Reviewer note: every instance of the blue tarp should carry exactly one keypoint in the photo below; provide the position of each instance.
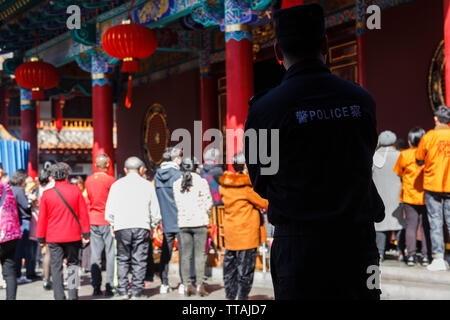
(14, 155)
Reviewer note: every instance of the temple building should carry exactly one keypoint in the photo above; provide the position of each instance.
(211, 57)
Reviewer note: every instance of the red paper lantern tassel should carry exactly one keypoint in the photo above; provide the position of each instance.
(129, 65)
(129, 92)
(58, 105)
(37, 94)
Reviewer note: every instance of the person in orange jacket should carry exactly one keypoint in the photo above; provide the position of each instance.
(413, 198)
(243, 229)
(434, 153)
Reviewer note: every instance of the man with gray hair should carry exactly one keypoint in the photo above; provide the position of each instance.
(212, 171)
(132, 210)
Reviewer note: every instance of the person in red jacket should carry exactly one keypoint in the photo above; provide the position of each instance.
(97, 187)
(61, 230)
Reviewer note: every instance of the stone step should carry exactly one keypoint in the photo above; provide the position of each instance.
(415, 275)
(400, 282)
(403, 290)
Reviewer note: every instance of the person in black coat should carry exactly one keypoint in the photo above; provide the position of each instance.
(320, 191)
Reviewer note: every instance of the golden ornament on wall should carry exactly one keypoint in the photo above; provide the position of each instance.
(155, 134)
(436, 78)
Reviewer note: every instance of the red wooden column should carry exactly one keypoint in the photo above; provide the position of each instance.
(28, 126)
(57, 110)
(207, 102)
(102, 117)
(361, 42)
(239, 74)
(208, 94)
(447, 49)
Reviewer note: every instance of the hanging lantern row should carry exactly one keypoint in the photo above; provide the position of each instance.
(37, 75)
(129, 42)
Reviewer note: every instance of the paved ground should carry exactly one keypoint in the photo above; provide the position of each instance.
(35, 291)
(262, 288)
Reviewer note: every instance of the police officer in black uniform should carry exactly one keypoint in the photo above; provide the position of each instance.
(322, 200)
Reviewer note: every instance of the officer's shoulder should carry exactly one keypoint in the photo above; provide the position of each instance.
(354, 89)
(257, 97)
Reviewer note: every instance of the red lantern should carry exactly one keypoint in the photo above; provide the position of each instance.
(37, 75)
(129, 42)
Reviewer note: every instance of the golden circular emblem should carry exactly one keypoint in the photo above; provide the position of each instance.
(156, 134)
(436, 78)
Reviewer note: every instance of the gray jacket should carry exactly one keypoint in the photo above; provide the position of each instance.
(388, 185)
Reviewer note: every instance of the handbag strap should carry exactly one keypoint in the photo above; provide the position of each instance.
(69, 207)
(3, 198)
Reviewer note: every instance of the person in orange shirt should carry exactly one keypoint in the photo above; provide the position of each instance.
(243, 229)
(434, 153)
(412, 197)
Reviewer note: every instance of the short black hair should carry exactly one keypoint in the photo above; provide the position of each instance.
(44, 176)
(401, 144)
(414, 136)
(60, 171)
(300, 30)
(18, 178)
(238, 162)
(443, 114)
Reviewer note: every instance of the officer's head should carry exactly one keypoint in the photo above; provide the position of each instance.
(442, 115)
(414, 136)
(300, 33)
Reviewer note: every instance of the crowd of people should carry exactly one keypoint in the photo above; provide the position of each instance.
(76, 223)
(64, 223)
(414, 184)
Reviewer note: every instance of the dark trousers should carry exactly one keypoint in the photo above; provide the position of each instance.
(307, 261)
(25, 251)
(101, 239)
(193, 242)
(238, 272)
(149, 273)
(166, 255)
(8, 261)
(132, 252)
(59, 251)
(383, 237)
(415, 216)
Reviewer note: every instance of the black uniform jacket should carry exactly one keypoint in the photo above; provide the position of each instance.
(327, 138)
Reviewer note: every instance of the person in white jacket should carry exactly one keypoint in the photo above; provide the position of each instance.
(193, 200)
(132, 209)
